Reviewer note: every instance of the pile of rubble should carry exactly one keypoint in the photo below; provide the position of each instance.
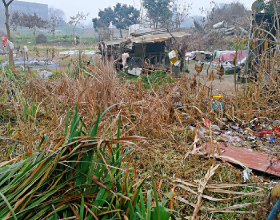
(222, 27)
(254, 144)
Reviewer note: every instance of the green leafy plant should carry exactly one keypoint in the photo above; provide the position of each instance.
(81, 176)
(29, 109)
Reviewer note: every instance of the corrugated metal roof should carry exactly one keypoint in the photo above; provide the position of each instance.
(148, 31)
(150, 38)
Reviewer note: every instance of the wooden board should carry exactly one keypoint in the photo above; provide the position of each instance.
(254, 160)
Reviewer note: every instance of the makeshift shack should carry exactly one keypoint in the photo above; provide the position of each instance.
(146, 49)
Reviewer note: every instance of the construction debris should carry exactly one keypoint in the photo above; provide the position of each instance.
(222, 24)
(247, 158)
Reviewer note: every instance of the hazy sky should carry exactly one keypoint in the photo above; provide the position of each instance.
(71, 7)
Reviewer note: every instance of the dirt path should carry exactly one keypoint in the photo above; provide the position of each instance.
(225, 85)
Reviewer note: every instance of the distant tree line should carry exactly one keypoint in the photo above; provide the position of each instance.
(29, 21)
(157, 13)
(121, 16)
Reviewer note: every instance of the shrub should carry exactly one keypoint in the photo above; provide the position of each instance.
(82, 177)
(41, 39)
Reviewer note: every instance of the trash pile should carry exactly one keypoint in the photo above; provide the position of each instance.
(254, 144)
(76, 52)
(222, 27)
(34, 63)
(258, 135)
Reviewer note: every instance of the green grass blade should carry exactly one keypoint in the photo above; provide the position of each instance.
(155, 192)
(149, 204)
(118, 136)
(108, 109)
(66, 123)
(25, 113)
(93, 132)
(9, 206)
(82, 207)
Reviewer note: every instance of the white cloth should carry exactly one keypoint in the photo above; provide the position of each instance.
(124, 59)
(11, 45)
(25, 49)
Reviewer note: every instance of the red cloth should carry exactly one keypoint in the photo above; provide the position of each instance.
(4, 40)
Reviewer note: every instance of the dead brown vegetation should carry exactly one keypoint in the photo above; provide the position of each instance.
(148, 113)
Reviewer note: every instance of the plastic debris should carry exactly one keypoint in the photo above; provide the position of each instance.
(45, 74)
(4, 40)
(217, 97)
(201, 131)
(217, 102)
(235, 128)
(218, 105)
(216, 127)
(277, 132)
(173, 57)
(178, 105)
(276, 123)
(246, 175)
(262, 133)
(11, 45)
(274, 212)
(231, 139)
(207, 123)
(135, 71)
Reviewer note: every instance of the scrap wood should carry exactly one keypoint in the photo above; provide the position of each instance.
(230, 208)
(65, 56)
(254, 160)
(241, 194)
(202, 185)
(219, 187)
(239, 212)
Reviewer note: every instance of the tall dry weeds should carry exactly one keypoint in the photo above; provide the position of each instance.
(150, 113)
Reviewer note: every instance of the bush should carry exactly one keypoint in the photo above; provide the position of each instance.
(41, 39)
(89, 173)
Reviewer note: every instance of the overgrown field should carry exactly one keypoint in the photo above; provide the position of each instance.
(91, 144)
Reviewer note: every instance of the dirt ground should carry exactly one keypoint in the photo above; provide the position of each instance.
(225, 85)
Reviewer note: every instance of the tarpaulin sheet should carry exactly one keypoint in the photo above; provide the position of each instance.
(224, 56)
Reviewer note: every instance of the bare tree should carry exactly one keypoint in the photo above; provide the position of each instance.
(57, 17)
(7, 23)
(180, 13)
(53, 22)
(234, 13)
(76, 20)
(58, 13)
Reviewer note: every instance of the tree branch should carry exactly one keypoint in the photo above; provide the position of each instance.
(8, 4)
(4, 3)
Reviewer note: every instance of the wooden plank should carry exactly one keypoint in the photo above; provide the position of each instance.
(254, 160)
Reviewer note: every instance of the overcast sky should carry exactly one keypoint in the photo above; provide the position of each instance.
(71, 7)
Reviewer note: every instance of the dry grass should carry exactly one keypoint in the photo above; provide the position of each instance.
(148, 113)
